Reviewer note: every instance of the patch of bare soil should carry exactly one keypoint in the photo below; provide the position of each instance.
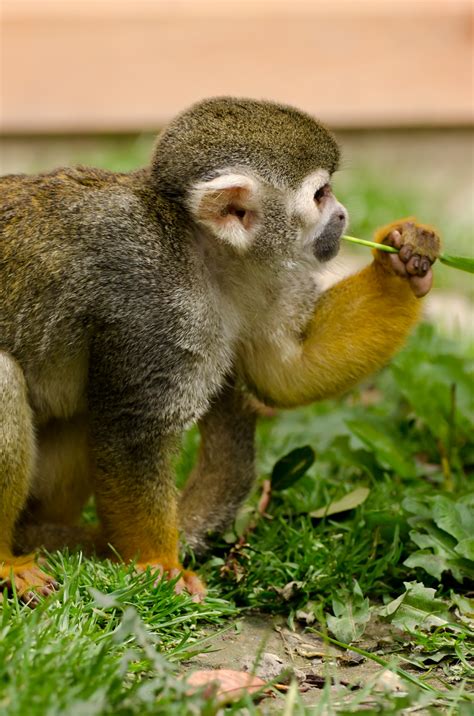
(266, 647)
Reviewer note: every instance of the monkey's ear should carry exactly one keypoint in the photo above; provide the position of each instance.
(228, 205)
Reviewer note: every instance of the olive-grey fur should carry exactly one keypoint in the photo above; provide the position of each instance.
(119, 307)
(278, 142)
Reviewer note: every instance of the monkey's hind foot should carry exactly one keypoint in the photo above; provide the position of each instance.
(24, 576)
(188, 581)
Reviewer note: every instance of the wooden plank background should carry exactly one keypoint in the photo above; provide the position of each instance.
(129, 65)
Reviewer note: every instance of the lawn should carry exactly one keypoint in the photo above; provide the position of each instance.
(359, 570)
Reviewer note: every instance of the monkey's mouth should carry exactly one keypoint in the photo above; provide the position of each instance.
(327, 244)
(327, 247)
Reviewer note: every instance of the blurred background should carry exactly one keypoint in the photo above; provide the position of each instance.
(93, 81)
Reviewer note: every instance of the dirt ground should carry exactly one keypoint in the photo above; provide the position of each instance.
(266, 647)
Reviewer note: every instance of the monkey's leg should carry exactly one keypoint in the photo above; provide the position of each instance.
(137, 501)
(52, 536)
(61, 485)
(63, 481)
(17, 456)
(224, 473)
(357, 325)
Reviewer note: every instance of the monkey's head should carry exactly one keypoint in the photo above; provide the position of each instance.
(256, 175)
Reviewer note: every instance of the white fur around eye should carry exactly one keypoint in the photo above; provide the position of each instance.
(303, 204)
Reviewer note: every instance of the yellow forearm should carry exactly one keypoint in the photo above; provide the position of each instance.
(357, 325)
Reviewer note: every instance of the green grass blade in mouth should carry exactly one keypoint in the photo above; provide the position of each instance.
(463, 263)
(371, 244)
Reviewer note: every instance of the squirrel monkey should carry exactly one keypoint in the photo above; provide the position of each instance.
(132, 305)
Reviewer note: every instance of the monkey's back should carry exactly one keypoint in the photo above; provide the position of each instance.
(50, 229)
(82, 251)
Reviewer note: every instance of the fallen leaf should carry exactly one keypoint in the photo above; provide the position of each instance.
(226, 684)
(289, 590)
(348, 502)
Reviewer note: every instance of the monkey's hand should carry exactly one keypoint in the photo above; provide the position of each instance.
(188, 581)
(419, 247)
(25, 576)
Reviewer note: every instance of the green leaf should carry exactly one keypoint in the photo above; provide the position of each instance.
(348, 502)
(291, 468)
(444, 531)
(436, 543)
(351, 617)
(464, 263)
(386, 449)
(416, 608)
(466, 548)
(464, 604)
(466, 609)
(413, 372)
(456, 518)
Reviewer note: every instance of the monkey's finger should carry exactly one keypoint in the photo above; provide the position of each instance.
(421, 285)
(34, 577)
(413, 265)
(180, 585)
(48, 589)
(425, 266)
(194, 586)
(398, 266)
(405, 252)
(30, 599)
(394, 238)
(158, 571)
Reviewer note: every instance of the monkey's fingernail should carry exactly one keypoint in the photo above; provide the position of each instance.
(425, 265)
(414, 265)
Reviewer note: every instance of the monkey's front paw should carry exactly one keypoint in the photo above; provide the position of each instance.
(188, 580)
(419, 247)
(25, 576)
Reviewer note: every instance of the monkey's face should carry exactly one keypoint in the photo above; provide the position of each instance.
(266, 220)
(321, 218)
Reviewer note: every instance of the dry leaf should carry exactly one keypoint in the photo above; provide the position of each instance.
(227, 684)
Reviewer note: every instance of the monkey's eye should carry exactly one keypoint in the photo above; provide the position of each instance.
(322, 192)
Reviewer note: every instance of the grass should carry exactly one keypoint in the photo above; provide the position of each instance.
(113, 643)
